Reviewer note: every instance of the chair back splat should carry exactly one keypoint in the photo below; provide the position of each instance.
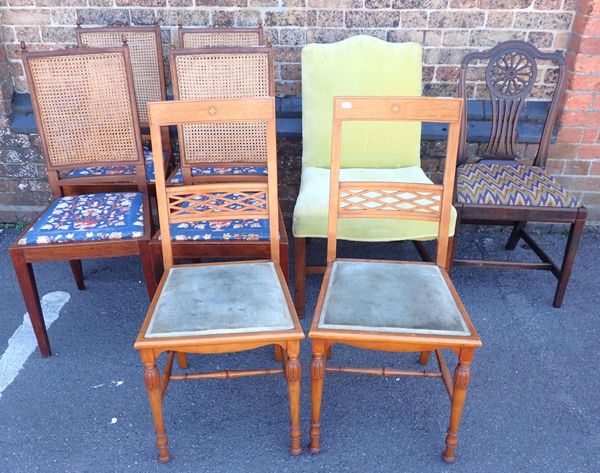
(426, 202)
(222, 201)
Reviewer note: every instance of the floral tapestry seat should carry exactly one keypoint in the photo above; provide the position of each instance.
(89, 217)
(177, 178)
(511, 185)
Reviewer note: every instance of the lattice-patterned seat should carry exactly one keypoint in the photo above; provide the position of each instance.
(510, 184)
(89, 217)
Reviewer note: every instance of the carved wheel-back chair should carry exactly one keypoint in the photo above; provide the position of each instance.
(394, 306)
(84, 105)
(222, 152)
(498, 188)
(219, 37)
(147, 65)
(219, 307)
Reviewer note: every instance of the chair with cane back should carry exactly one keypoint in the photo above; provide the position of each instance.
(84, 105)
(219, 37)
(146, 52)
(219, 307)
(394, 306)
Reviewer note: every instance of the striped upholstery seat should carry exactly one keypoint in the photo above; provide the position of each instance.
(510, 184)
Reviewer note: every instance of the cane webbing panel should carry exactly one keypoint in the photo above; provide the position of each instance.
(205, 39)
(85, 108)
(144, 62)
(223, 76)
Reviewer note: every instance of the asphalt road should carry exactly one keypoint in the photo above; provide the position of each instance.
(533, 403)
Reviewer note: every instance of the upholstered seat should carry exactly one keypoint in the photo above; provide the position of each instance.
(177, 178)
(220, 299)
(310, 212)
(245, 230)
(89, 217)
(402, 298)
(510, 184)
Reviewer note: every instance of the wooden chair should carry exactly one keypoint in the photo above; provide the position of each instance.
(219, 37)
(219, 307)
(146, 52)
(222, 152)
(499, 188)
(392, 305)
(84, 105)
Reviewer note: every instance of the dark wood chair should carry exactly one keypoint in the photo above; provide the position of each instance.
(84, 105)
(219, 307)
(222, 152)
(395, 306)
(219, 37)
(501, 188)
(147, 66)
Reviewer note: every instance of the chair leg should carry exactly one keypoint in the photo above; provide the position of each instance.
(77, 270)
(329, 353)
(300, 274)
(278, 356)
(26, 279)
(462, 375)
(317, 375)
(182, 360)
(575, 234)
(424, 357)
(515, 235)
(293, 371)
(450, 254)
(284, 261)
(153, 385)
(148, 268)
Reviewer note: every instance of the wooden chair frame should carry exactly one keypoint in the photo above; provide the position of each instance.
(186, 249)
(23, 256)
(423, 109)
(287, 342)
(500, 146)
(259, 31)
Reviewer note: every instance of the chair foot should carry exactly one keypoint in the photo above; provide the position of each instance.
(449, 456)
(575, 234)
(314, 450)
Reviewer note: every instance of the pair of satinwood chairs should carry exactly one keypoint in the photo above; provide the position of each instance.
(85, 106)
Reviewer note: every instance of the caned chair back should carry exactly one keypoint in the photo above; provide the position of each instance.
(222, 73)
(145, 49)
(223, 201)
(426, 202)
(511, 71)
(215, 37)
(85, 108)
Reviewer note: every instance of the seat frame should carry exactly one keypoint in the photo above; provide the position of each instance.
(423, 109)
(503, 139)
(23, 256)
(286, 342)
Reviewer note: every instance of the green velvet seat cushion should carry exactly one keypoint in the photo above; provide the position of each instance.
(391, 297)
(220, 299)
(312, 208)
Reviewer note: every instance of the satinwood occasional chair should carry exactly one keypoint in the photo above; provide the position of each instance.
(359, 66)
(394, 306)
(85, 109)
(218, 37)
(147, 66)
(222, 152)
(501, 188)
(219, 307)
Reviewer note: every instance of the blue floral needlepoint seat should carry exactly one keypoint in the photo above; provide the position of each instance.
(510, 184)
(221, 171)
(89, 217)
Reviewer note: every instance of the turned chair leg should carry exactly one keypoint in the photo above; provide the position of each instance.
(515, 235)
(153, 385)
(462, 375)
(293, 371)
(575, 233)
(424, 357)
(300, 274)
(26, 279)
(317, 375)
(77, 270)
(182, 360)
(148, 268)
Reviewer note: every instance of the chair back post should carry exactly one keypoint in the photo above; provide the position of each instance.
(177, 204)
(398, 200)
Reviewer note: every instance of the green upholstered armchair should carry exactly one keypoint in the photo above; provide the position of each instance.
(357, 66)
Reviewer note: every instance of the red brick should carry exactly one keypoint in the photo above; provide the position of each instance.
(576, 168)
(589, 152)
(578, 101)
(583, 82)
(555, 166)
(590, 135)
(595, 169)
(579, 118)
(569, 135)
(587, 63)
(589, 45)
(563, 151)
(581, 183)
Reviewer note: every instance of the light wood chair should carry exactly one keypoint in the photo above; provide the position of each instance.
(222, 152)
(219, 307)
(392, 305)
(147, 66)
(218, 37)
(84, 106)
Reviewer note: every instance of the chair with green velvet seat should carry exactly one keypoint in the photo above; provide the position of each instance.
(357, 66)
